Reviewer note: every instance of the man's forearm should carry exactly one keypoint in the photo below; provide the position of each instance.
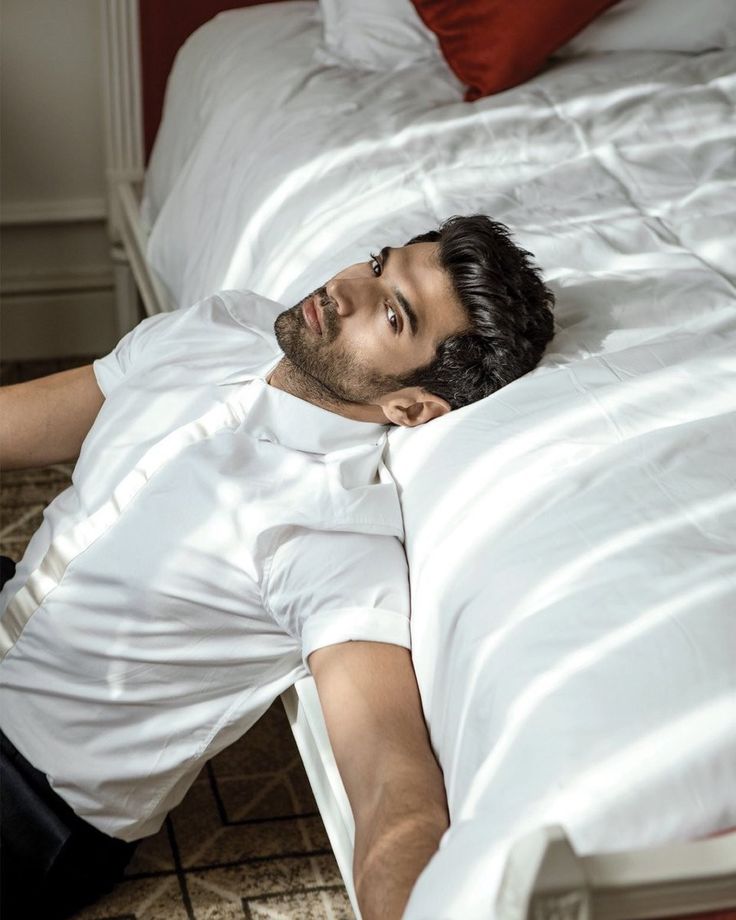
(45, 420)
(396, 840)
(370, 699)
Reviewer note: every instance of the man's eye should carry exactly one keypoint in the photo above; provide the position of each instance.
(375, 265)
(392, 318)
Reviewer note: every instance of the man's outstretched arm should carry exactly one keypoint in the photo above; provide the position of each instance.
(369, 696)
(45, 421)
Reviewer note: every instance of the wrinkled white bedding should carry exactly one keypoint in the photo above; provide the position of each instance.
(572, 538)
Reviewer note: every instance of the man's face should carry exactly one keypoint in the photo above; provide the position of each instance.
(372, 323)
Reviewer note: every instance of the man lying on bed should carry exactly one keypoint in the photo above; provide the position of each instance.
(231, 524)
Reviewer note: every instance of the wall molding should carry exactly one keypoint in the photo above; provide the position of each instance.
(52, 211)
(23, 284)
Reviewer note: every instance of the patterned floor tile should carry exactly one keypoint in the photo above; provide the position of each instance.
(231, 884)
(217, 909)
(23, 496)
(235, 844)
(264, 745)
(328, 904)
(327, 870)
(250, 798)
(143, 899)
(13, 547)
(314, 829)
(153, 854)
(296, 778)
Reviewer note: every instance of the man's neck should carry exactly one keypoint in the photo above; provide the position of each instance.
(286, 377)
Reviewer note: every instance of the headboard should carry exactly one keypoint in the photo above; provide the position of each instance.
(164, 25)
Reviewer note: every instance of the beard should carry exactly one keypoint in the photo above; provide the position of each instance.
(317, 364)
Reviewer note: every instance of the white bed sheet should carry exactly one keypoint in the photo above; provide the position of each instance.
(572, 538)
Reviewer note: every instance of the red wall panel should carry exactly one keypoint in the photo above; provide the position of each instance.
(164, 26)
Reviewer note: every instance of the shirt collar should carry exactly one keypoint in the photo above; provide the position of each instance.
(277, 416)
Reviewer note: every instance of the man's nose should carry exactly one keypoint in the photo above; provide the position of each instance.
(351, 295)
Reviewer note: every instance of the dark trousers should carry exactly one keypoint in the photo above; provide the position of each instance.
(52, 863)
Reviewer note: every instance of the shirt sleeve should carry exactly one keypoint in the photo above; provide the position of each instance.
(113, 367)
(325, 587)
(196, 330)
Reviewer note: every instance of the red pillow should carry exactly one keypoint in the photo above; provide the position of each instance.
(493, 45)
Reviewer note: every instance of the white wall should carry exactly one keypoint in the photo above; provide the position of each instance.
(56, 279)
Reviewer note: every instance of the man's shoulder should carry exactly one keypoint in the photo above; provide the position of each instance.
(249, 309)
(229, 332)
(230, 321)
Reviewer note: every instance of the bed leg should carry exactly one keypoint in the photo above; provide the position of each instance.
(544, 880)
(127, 311)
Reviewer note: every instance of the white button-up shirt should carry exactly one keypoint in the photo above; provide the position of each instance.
(218, 531)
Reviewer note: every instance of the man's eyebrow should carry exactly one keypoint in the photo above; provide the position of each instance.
(403, 302)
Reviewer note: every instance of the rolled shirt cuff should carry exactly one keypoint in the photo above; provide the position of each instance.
(344, 624)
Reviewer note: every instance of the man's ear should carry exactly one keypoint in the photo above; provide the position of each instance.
(412, 406)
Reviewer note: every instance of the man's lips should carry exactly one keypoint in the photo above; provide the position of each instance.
(311, 313)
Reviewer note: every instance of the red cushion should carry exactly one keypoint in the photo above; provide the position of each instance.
(493, 45)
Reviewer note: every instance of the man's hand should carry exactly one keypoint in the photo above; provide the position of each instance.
(45, 421)
(369, 696)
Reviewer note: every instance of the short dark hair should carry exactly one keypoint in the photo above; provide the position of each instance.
(508, 306)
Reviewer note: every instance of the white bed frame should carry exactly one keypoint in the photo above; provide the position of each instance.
(544, 878)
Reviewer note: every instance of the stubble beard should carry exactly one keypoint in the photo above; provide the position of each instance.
(318, 369)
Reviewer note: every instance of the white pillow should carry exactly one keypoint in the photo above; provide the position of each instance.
(375, 35)
(658, 25)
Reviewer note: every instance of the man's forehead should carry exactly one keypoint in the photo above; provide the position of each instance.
(420, 262)
(417, 263)
(419, 271)
(426, 253)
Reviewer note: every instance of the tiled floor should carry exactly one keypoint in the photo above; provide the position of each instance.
(247, 841)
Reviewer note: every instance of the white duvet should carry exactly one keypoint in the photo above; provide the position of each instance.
(572, 538)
